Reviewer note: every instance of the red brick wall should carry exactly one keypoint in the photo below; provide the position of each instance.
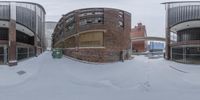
(93, 55)
(139, 31)
(115, 38)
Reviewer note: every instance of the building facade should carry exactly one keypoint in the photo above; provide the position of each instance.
(183, 20)
(139, 31)
(49, 29)
(21, 31)
(156, 46)
(94, 34)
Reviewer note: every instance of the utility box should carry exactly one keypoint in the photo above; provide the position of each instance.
(57, 53)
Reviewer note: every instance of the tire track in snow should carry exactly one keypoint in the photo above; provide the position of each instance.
(178, 69)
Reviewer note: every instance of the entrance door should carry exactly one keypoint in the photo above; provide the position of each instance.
(3, 54)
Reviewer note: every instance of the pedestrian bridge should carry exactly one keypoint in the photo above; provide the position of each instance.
(148, 39)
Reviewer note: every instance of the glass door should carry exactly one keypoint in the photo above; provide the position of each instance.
(3, 54)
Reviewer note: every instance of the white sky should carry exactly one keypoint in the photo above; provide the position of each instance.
(150, 12)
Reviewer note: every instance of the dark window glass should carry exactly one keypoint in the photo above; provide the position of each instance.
(26, 17)
(3, 34)
(188, 34)
(24, 38)
(4, 12)
(22, 53)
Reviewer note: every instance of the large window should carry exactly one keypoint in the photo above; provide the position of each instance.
(4, 12)
(22, 53)
(183, 13)
(3, 34)
(177, 53)
(24, 38)
(91, 39)
(186, 54)
(26, 17)
(188, 34)
(25, 52)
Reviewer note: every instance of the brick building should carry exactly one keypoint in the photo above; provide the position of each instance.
(136, 32)
(21, 31)
(94, 34)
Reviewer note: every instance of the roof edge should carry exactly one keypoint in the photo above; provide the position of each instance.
(180, 2)
(28, 3)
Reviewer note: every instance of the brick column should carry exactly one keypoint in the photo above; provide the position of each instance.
(12, 60)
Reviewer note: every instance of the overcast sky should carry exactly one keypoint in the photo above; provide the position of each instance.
(149, 12)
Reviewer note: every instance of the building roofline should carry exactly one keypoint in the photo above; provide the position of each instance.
(51, 22)
(95, 8)
(180, 2)
(27, 3)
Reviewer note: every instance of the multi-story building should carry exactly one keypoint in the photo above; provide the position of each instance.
(21, 30)
(155, 46)
(49, 29)
(183, 20)
(94, 34)
(139, 31)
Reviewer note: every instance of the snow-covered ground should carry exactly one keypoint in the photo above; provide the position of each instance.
(45, 78)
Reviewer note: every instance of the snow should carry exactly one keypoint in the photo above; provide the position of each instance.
(141, 78)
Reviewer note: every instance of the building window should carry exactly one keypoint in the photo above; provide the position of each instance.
(3, 34)
(91, 21)
(98, 20)
(4, 12)
(22, 53)
(98, 13)
(86, 14)
(121, 16)
(70, 27)
(121, 24)
(83, 22)
(91, 39)
(188, 34)
(90, 13)
(69, 19)
(121, 12)
(24, 38)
